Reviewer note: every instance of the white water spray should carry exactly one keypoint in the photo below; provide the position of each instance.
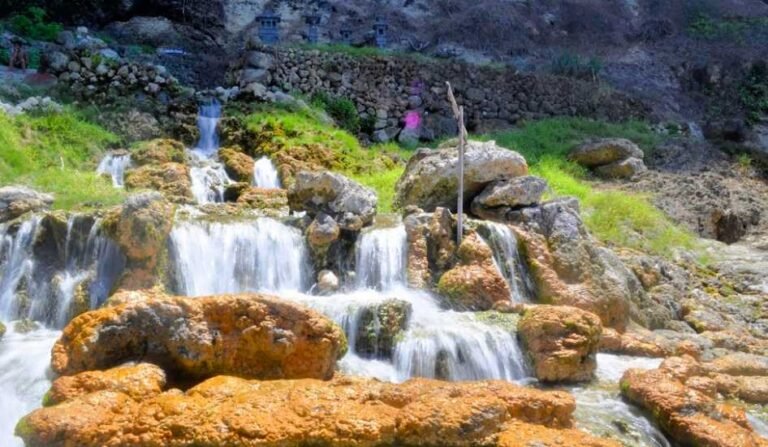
(208, 122)
(265, 174)
(115, 166)
(506, 253)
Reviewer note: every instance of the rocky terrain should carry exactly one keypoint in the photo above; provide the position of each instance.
(208, 240)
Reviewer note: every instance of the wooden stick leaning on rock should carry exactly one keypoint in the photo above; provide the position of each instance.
(458, 114)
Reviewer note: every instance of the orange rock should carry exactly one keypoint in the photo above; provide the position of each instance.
(137, 381)
(561, 341)
(752, 389)
(526, 435)
(631, 343)
(253, 336)
(739, 364)
(343, 412)
(689, 416)
(170, 179)
(238, 165)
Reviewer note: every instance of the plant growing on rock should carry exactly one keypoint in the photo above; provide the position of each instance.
(32, 24)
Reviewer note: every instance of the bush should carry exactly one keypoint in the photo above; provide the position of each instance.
(574, 66)
(342, 110)
(754, 92)
(31, 24)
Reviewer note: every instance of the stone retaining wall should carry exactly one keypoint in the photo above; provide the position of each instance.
(394, 90)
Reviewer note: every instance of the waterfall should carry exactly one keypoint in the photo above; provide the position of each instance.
(209, 178)
(24, 372)
(381, 258)
(265, 174)
(213, 258)
(16, 263)
(43, 289)
(114, 165)
(207, 123)
(506, 253)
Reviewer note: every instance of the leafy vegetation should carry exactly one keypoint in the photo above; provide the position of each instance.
(32, 24)
(575, 66)
(342, 110)
(55, 153)
(737, 29)
(365, 51)
(613, 216)
(754, 92)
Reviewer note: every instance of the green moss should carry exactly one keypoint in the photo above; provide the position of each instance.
(505, 321)
(47, 402)
(23, 429)
(56, 153)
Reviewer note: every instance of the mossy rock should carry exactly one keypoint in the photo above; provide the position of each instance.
(380, 328)
(159, 151)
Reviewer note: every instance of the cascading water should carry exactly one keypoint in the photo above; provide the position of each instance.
(115, 165)
(263, 255)
(380, 258)
(265, 174)
(16, 265)
(504, 244)
(209, 178)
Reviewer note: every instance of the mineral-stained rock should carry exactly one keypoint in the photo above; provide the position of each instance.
(632, 343)
(379, 327)
(264, 199)
(752, 389)
(602, 152)
(327, 282)
(141, 227)
(346, 411)
(350, 204)
(137, 381)
(248, 335)
(739, 364)
(171, 179)
(158, 152)
(476, 283)
(322, 232)
(18, 200)
(516, 192)
(520, 434)
(561, 341)
(431, 177)
(689, 416)
(417, 271)
(238, 165)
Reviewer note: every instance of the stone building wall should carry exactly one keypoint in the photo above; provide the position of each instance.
(396, 89)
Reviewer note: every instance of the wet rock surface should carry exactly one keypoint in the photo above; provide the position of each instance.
(351, 205)
(249, 335)
(16, 201)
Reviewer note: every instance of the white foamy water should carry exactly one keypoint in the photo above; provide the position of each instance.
(16, 256)
(506, 253)
(115, 166)
(262, 255)
(611, 367)
(265, 174)
(381, 258)
(24, 377)
(208, 176)
(208, 119)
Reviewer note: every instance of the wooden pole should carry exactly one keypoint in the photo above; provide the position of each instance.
(458, 113)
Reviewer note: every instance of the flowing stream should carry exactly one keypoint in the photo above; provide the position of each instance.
(115, 165)
(265, 174)
(208, 176)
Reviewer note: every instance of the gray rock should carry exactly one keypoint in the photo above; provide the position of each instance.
(260, 60)
(18, 200)
(623, 169)
(322, 232)
(431, 176)
(605, 151)
(58, 61)
(327, 282)
(409, 136)
(254, 75)
(350, 204)
(516, 192)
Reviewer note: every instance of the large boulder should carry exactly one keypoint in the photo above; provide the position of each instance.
(569, 268)
(158, 152)
(612, 158)
(682, 403)
(431, 177)
(516, 192)
(18, 200)
(603, 152)
(141, 228)
(252, 336)
(379, 327)
(561, 342)
(239, 166)
(350, 204)
(476, 283)
(171, 179)
(292, 413)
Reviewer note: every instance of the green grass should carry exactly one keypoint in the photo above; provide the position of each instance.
(305, 135)
(615, 217)
(352, 51)
(56, 153)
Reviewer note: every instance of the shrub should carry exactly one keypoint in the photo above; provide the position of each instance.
(31, 24)
(754, 92)
(342, 110)
(574, 66)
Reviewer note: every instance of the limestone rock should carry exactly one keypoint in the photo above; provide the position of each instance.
(379, 327)
(747, 388)
(529, 435)
(622, 169)
(238, 165)
(562, 342)
(603, 152)
(689, 416)
(516, 192)
(476, 283)
(141, 228)
(417, 270)
(346, 411)
(170, 179)
(322, 232)
(139, 382)
(327, 282)
(252, 336)
(431, 177)
(158, 152)
(350, 204)
(18, 200)
(264, 199)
